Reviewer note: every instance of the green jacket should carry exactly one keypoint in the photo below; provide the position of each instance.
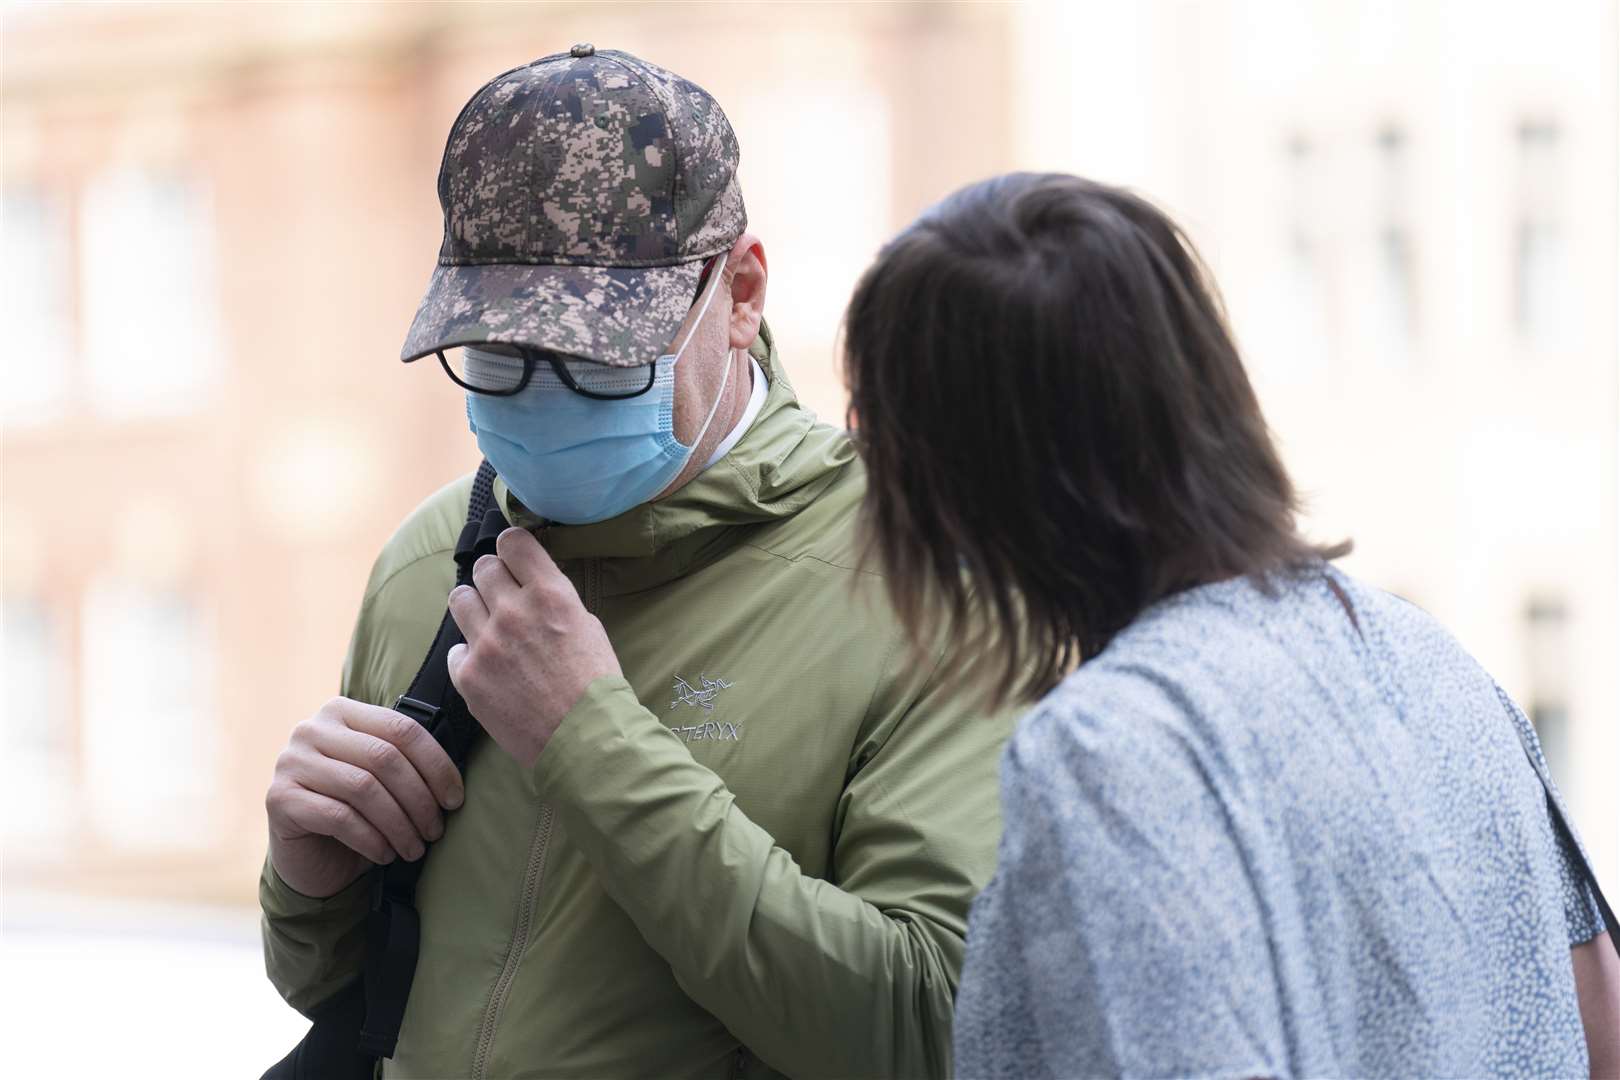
(752, 855)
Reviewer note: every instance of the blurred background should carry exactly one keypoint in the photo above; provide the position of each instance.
(218, 220)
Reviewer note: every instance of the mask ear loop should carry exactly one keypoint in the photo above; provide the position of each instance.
(725, 379)
(703, 311)
(718, 398)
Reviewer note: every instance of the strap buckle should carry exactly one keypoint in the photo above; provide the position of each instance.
(420, 711)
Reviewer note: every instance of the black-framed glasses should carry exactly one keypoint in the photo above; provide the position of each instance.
(502, 374)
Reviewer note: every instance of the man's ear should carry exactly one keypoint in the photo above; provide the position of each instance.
(746, 274)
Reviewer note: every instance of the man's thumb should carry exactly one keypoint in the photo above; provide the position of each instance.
(453, 660)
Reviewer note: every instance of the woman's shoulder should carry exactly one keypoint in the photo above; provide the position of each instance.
(1192, 651)
(1217, 669)
(1164, 685)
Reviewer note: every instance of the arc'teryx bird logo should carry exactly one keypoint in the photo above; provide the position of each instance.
(702, 695)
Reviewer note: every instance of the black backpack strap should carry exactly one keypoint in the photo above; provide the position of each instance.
(430, 690)
(360, 1023)
(329, 1050)
(393, 929)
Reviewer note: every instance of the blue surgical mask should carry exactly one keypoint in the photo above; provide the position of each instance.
(576, 460)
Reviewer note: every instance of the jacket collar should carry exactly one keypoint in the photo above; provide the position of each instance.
(781, 464)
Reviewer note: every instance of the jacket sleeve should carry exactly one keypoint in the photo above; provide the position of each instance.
(849, 977)
(315, 946)
(312, 947)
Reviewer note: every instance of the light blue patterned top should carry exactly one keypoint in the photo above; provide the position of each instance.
(1245, 841)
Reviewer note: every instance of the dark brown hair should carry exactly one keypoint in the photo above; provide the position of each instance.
(1057, 426)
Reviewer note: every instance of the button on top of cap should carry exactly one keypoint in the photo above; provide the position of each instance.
(579, 51)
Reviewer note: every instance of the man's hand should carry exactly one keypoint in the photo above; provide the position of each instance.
(531, 649)
(356, 785)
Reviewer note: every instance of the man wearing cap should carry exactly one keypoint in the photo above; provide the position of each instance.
(726, 823)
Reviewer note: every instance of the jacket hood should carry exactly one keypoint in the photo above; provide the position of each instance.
(782, 463)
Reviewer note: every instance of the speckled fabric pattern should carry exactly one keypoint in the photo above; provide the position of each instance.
(1247, 841)
(582, 194)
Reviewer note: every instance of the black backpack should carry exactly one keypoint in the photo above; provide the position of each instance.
(359, 1024)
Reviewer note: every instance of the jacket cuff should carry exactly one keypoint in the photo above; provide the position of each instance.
(605, 720)
(280, 900)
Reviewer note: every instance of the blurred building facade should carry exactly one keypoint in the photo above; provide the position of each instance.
(218, 220)
(1412, 211)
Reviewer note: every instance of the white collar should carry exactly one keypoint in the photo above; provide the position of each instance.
(756, 402)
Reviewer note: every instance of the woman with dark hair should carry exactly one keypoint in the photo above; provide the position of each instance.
(1265, 820)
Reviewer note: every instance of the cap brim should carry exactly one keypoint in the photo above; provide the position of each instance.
(618, 316)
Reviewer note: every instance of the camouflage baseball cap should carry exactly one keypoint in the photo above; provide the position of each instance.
(582, 194)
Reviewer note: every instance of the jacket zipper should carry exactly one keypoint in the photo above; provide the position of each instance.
(593, 585)
(520, 939)
(531, 890)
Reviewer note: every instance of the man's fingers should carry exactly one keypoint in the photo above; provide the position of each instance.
(367, 796)
(468, 609)
(420, 748)
(388, 763)
(524, 557)
(323, 816)
(491, 577)
(453, 661)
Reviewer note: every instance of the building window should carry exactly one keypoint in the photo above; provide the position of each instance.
(38, 764)
(1395, 290)
(1290, 324)
(1299, 156)
(40, 344)
(151, 747)
(148, 293)
(1547, 639)
(1538, 256)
